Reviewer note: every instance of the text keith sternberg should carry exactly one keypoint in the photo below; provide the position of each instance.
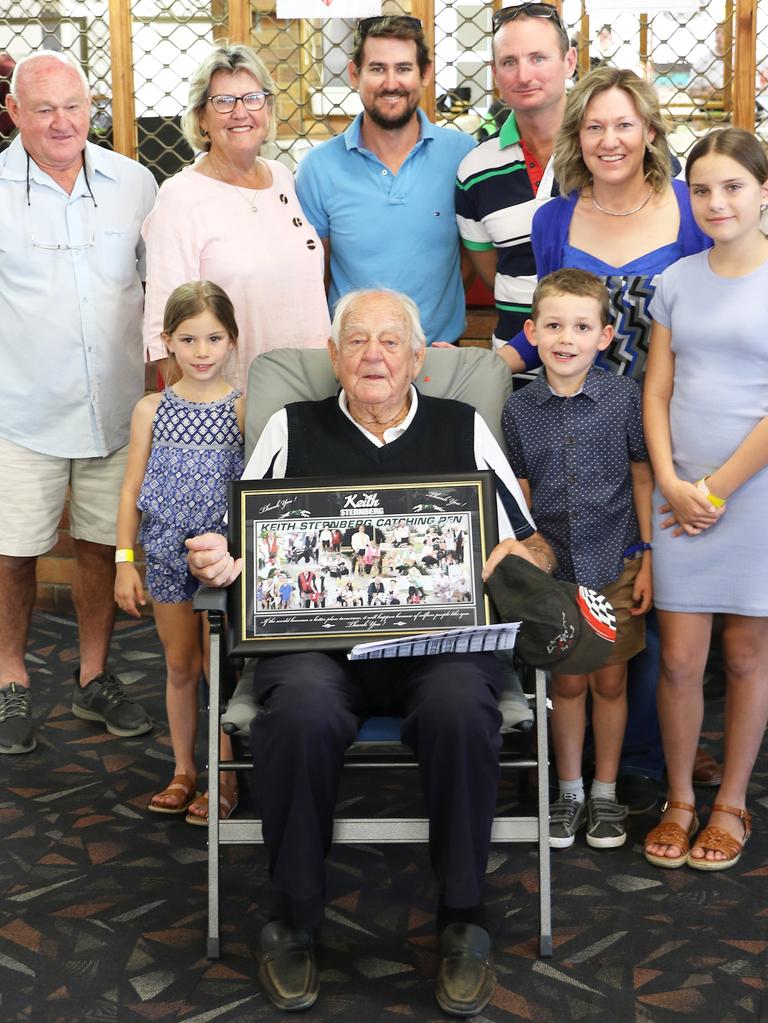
(368, 503)
(310, 525)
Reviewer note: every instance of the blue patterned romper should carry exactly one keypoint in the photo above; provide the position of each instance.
(197, 449)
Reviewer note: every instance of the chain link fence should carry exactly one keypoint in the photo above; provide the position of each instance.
(689, 56)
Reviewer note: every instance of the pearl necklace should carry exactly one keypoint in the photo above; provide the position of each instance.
(628, 213)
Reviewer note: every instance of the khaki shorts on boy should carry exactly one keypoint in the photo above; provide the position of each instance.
(630, 629)
(34, 488)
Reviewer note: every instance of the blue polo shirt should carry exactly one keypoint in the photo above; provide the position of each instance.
(391, 230)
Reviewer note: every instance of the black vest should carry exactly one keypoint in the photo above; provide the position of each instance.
(322, 441)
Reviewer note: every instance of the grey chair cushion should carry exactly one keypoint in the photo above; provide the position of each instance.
(473, 375)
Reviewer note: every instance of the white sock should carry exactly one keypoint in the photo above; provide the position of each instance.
(574, 788)
(603, 790)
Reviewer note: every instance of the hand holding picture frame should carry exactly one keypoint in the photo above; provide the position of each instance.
(329, 564)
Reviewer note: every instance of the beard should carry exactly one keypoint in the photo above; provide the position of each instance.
(393, 122)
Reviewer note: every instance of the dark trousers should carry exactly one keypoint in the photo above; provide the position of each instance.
(641, 752)
(314, 704)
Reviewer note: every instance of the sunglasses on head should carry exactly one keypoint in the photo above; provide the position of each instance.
(365, 25)
(530, 10)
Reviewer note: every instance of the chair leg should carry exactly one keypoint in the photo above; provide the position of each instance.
(542, 773)
(213, 944)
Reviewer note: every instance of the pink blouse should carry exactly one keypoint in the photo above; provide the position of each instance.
(270, 262)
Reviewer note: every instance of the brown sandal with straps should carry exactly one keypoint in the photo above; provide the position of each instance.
(670, 833)
(717, 839)
(181, 790)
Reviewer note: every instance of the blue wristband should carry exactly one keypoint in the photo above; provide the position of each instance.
(637, 548)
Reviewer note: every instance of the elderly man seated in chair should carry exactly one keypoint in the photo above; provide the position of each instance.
(315, 701)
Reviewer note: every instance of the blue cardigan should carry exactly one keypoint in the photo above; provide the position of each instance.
(549, 233)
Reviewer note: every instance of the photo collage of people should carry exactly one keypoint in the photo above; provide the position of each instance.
(365, 563)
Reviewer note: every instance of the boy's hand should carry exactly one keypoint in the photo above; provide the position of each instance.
(642, 591)
(128, 589)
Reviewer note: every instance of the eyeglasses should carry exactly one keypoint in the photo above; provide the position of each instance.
(365, 25)
(252, 101)
(55, 247)
(58, 246)
(530, 10)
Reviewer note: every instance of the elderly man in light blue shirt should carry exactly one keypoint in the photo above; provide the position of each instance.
(71, 268)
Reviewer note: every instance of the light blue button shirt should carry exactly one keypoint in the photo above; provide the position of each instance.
(391, 230)
(70, 317)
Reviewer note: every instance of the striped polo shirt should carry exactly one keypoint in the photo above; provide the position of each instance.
(495, 205)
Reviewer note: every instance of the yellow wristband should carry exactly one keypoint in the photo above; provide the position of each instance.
(716, 502)
(123, 554)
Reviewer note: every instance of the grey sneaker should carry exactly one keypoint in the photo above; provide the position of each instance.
(16, 734)
(566, 815)
(105, 700)
(606, 828)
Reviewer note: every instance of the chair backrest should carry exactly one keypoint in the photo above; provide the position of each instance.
(474, 375)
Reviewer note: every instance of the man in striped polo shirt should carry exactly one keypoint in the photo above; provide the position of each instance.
(502, 181)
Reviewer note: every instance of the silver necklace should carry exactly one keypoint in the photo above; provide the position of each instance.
(251, 202)
(628, 213)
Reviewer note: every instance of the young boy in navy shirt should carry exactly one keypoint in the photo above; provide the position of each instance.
(575, 442)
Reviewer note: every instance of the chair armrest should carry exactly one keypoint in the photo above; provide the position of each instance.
(210, 598)
(241, 709)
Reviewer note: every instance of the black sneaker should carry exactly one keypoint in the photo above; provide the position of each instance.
(566, 815)
(16, 734)
(606, 828)
(637, 792)
(105, 700)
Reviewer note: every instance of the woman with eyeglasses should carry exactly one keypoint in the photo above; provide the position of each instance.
(233, 217)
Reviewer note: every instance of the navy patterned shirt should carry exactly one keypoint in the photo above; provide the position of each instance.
(576, 454)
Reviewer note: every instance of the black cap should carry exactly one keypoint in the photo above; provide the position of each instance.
(566, 627)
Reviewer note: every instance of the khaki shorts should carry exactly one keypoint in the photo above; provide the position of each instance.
(630, 629)
(34, 492)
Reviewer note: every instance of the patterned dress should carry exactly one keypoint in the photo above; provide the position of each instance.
(197, 449)
(631, 289)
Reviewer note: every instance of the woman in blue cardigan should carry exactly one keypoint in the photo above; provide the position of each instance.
(620, 214)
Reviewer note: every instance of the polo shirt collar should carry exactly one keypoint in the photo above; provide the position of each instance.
(509, 133)
(353, 134)
(591, 388)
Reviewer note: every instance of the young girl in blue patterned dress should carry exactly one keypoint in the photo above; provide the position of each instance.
(186, 445)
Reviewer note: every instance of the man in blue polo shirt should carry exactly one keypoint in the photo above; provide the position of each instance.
(381, 195)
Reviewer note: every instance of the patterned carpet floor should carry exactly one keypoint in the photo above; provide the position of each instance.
(103, 913)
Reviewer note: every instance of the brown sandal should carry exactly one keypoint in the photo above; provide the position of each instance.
(227, 807)
(182, 789)
(719, 840)
(670, 833)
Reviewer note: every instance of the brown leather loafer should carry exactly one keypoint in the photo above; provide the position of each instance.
(706, 770)
(287, 968)
(465, 977)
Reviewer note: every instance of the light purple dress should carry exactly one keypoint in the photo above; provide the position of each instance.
(720, 344)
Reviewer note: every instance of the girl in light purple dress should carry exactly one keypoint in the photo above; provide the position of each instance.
(706, 426)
